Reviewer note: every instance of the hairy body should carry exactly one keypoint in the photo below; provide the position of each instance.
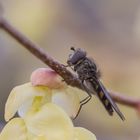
(89, 74)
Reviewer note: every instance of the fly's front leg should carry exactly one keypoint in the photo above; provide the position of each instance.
(66, 66)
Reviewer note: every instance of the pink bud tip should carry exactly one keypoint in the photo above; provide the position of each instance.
(46, 77)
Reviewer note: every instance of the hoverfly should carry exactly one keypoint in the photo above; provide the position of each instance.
(89, 75)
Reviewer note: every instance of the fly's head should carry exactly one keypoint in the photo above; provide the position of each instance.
(77, 55)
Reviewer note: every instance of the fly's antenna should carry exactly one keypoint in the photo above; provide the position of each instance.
(73, 49)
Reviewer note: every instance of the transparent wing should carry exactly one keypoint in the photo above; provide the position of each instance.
(110, 100)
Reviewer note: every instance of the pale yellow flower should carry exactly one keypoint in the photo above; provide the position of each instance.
(22, 95)
(50, 121)
(14, 130)
(45, 111)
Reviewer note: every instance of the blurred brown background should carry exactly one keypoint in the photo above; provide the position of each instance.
(110, 32)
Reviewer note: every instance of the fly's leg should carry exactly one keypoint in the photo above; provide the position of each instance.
(66, 66)
(84, 101)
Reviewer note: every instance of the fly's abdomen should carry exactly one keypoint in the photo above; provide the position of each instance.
(104, 101)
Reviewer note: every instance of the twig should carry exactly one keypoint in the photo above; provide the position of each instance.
(125, 100)
(68, 77)
(40, 53)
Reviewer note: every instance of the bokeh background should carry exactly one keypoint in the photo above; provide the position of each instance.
(109, 30)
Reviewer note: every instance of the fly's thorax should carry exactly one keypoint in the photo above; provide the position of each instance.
(86, 69)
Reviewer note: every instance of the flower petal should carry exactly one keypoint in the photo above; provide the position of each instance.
(39, 100)
(50, 120)
(35, 137)
(83, 134)
(20, 95)
(14, 130)
(23, 109)
(67, 99)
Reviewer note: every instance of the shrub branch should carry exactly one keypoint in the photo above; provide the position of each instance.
(68, 77)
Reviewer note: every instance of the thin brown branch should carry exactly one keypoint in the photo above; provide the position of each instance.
(69, 77)
(40, 53)
(125, 100)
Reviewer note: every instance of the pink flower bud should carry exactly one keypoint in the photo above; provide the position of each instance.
(46, 77)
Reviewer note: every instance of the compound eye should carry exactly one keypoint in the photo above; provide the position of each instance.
(71, 55)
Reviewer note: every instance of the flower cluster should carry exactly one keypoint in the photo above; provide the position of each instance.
(45, 106)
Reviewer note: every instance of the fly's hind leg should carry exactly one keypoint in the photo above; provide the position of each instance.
(84, 101)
